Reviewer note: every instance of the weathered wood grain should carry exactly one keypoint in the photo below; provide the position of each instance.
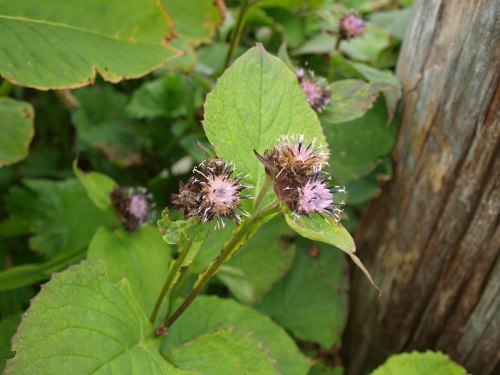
(432, 240)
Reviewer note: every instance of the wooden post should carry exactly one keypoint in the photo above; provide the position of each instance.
(432, 240)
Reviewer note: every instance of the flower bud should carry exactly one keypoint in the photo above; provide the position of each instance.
(316, 89)
(351, 26)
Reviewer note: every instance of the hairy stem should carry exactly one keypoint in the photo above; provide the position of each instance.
(240, 237)
(184, 250)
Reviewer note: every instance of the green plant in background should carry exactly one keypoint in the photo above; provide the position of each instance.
(226, 286)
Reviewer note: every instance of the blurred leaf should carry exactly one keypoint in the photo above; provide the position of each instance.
(164, 96)
(184, 63)
(321, 369)
(260, 263)
(416, 363)
(358, 145)
(60, 214)
(8, 326)
(361, 190)
(195, 20)
(29, 274)
(350, 99)
(394, 20)
(141, 257)
(211, 314)
(63, 44)
(256, 100)
(81, 322)
(326, 230)
(319, 44)
(311, 301)
(103, 126)
(97, 185)
(369, 46)
(224, 352)
(16, 129)
(15, 301)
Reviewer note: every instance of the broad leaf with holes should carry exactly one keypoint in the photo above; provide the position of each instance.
(257, 100)
(16, 130)
(54, 44)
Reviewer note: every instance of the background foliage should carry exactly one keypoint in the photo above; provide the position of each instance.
(279, 305)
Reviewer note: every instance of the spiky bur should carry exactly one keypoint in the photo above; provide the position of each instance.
(316, 89)
(214, 193)
(133, 206)
(299, 180)
(351, 26)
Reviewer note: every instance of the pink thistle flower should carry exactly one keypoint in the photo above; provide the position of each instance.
(133, 206)
(351, 26)
(139, 206)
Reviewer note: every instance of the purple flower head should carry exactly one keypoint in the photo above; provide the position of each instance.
(316, 196)
(316, 89)
(214, 193)
(351, 26)
(133, 206)
(139, 206)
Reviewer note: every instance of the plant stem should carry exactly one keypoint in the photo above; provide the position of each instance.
(337, 44)
(184, 250)
(243, 234)
(268, 182)
(237, 33)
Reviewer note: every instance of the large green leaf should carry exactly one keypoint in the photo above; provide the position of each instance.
(225, 352)
(260, 263)
(416, 363)
(210, 314)
(16, 130)
(359, 145)
(256, 100)
(195, 21)
(54, 44)
(60, 214)
(142, 257)
(311, 301)
(83, 323)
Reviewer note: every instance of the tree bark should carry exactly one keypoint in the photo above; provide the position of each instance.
(432, 239)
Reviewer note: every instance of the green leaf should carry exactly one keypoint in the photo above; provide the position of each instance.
(256, 100)
(63, 45)
(81, 322)
(350, 99)
(210, 314)
(325, 229)
(395, 21)
(29, 274)
(164, 96)
(103, 126)
(141, 257)
(357, 146)
(8, 326)
(224, 352)
(369, 46)
(61, 216)
(321, 369)
(311, 301)
(97, 185)
(16, 130)
(416, 363)
(191, 229)
(260, 263)
(195, 20)
(185, 63)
